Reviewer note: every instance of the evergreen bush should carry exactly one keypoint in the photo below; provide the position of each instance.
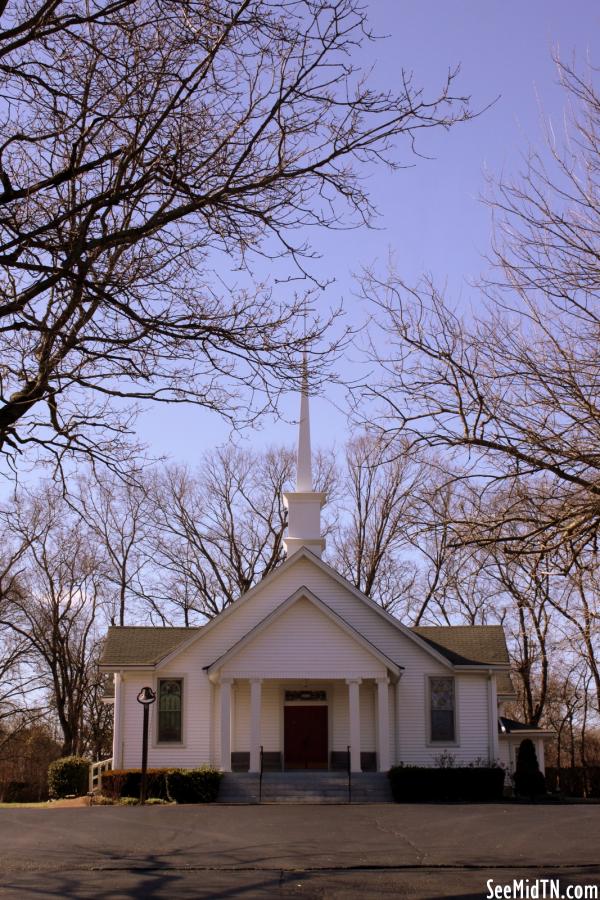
(529, 781)
(68, 776)
(417, 784)
(194, 785)
(181, 785)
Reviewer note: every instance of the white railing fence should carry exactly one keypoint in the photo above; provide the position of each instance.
(96, 770)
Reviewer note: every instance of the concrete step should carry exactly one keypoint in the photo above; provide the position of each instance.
(305, 787)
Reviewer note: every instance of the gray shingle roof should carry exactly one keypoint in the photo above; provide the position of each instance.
(129, 645)
(460, 644)
(465, 645)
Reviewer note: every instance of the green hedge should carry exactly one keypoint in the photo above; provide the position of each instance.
(194, 785)
(182, 785)
(416, 784)
(68, 775)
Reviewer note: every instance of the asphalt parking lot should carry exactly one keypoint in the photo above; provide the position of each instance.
(416, 851)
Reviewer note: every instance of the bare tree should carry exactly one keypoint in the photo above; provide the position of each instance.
(117, 516)
(576, 599)
(18, 683)
(379, 496)
(527, 589)
(218, 530)
(53, 613)
(147, 145)
(510, 394)
(565, 710)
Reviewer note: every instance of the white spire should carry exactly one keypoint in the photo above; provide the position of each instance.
(304, 504)
(304, 480)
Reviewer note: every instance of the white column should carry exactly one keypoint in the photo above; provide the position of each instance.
(354, 714)
(255, 708)
(226, 724)
(383, 725)
(541, 756)
(398, 723)
(117, 746)
(493, 717)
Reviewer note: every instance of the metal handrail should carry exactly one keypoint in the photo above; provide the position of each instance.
(260, 777)
(349, 764)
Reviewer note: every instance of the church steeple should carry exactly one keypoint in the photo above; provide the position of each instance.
(304, 464)
(304, 504)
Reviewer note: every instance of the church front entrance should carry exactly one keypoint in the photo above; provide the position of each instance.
(305, 737)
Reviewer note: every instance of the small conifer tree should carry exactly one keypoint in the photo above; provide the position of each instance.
(529, 781)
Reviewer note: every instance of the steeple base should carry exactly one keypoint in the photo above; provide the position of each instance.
(292, 545)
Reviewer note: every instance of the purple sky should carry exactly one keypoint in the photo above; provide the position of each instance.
(431, 215)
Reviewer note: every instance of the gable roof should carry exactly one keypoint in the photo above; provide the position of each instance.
(303, 593)
(128, 645)
(471, 645)
(305, 553)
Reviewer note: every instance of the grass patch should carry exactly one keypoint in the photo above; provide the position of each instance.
(42, 805)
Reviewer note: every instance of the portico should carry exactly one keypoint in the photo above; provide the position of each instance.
(305, 723)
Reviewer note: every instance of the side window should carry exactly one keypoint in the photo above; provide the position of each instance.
(170, 693)
(442, 709)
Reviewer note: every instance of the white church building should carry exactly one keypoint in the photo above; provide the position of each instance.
(311, 670)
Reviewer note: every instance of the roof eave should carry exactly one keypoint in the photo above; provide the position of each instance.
(538, 732)
(130, 667)
(482, 667)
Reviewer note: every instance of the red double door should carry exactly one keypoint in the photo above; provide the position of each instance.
(305, 737)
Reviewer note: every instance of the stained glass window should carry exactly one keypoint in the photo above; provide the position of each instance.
(169, 710)
(441, 692)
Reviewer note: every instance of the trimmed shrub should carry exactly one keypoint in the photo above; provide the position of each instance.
(529, 781)
(194, 785)
(68, 776)
(418, 784)
(118, 783)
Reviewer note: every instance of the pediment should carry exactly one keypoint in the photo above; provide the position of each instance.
(303, 637)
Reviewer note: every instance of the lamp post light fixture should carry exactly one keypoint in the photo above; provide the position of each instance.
(146, 697)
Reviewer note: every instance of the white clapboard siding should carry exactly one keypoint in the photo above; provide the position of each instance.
(196, 747)
(472, 718)
(303, 643)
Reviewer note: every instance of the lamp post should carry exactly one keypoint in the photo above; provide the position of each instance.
(146, 697)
